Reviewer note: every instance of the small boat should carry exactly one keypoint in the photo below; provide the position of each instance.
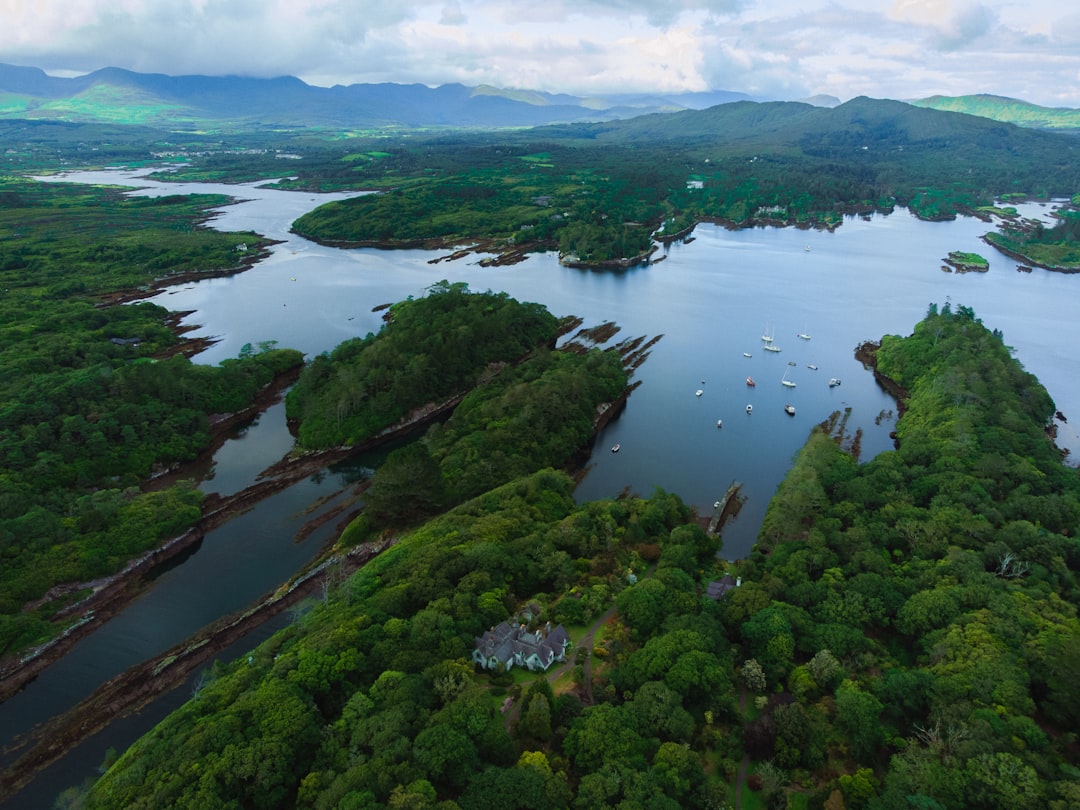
(812, 367)
(807, 248)
(749, 408)
(747, 354)
(804, 336)
(789, 410)
(750, 382)
(786, 382)
(770, 347)
(791, 362)
(833, 382)
(767, 335)
(698, 393)
(615, 448)
(719, 423)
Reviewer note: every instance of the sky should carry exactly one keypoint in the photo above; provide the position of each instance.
(776, 50)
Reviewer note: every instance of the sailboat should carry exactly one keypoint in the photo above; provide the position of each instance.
(767, 335)
(786, 382)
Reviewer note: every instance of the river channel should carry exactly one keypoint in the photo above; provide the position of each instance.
(817, 294)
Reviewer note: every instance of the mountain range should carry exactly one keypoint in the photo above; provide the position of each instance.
(191, 103)
(221, 104)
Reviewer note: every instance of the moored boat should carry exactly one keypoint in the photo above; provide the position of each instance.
(789, 410)
(750, 382)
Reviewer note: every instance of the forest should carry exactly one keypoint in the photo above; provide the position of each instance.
(1056, 247)
(431, 349)
(905, 630)
(597, 192)
(94, 395)
(903, 635)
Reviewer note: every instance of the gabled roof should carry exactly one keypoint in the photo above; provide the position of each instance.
(719, 587)
(507, 640)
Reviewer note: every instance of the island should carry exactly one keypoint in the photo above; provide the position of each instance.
(964, 262)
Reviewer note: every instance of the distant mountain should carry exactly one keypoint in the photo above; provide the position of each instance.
(821, 100)
(867, 137)
(113, 95)
(1000, 108)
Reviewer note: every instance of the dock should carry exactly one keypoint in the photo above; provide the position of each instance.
(721, 507)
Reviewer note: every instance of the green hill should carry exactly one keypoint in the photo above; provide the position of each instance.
(1010, 110)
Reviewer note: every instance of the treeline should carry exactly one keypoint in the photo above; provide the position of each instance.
(1055, 247)
(431, 349)
(905, 635)
(91, 403)
(371, 701)
(942, 579)
(600, 191)
(540, 413)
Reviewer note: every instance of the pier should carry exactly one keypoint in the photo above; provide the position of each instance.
(720, 508)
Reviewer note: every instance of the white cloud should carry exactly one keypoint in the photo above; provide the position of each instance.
(778, 49)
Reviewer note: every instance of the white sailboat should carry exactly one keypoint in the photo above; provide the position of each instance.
(786, 382)
(767, 335)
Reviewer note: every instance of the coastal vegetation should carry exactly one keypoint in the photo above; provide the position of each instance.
(540, 413)
(904, 634)
(95, 397)
(1056, 247)
(965, 261)
(602, 191)
(432, 349)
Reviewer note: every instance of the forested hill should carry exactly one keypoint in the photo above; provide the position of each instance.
(905, 635)
(600, 192)
(1012, 110)
(873, 126)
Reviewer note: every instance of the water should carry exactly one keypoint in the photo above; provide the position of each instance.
(710, 299)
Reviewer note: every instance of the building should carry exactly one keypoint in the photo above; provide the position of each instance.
(717, 588)
(514, 645)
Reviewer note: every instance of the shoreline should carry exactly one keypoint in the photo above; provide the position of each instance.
(137, 686)
(1027, 260)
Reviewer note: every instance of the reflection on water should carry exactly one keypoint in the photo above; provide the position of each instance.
(711, 301)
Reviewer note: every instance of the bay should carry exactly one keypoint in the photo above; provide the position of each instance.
(711, 299)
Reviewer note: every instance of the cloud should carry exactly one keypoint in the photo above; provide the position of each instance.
(776, 49)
